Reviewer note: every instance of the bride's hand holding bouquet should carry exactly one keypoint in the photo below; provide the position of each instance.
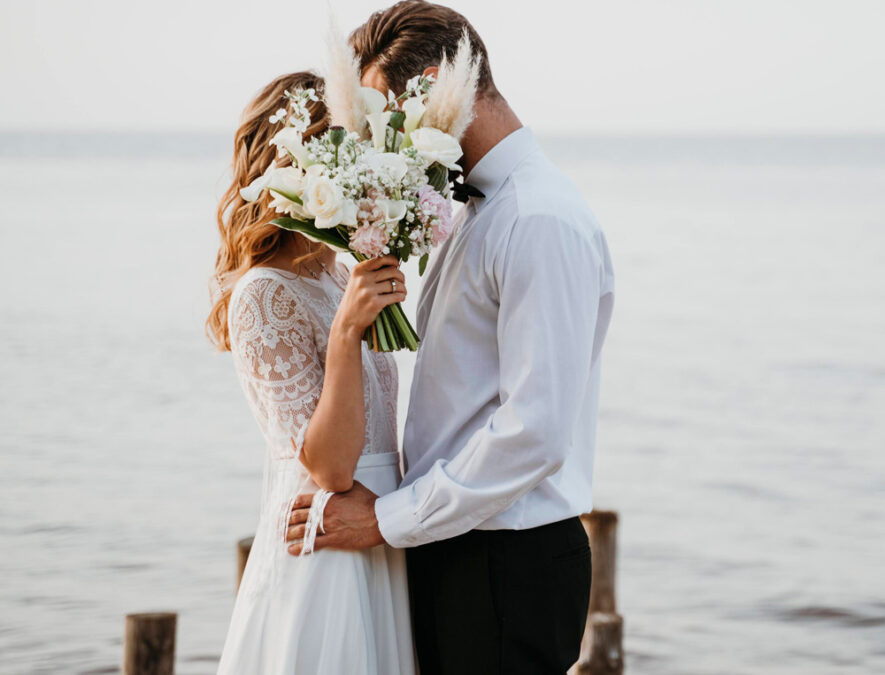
(374, 284)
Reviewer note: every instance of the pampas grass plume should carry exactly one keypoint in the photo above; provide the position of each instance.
(449, 105)
(342, 89)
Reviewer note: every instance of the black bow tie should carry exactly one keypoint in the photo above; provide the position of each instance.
(462, 191)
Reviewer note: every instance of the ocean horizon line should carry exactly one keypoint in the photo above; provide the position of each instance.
(741, 148)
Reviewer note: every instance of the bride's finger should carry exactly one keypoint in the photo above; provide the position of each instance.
(389, 272)
(376, 263)
(390, 286)
(392, 298)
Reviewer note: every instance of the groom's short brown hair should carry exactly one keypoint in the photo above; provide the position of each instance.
(404, 39)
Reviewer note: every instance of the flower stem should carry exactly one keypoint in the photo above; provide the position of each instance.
(410, 337)
(392, 334)
(382, 345)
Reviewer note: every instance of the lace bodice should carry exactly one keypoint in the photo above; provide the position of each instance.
(279, 327)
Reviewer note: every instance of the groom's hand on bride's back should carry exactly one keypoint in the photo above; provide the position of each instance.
(349, 521)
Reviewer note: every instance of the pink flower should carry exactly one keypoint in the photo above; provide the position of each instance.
(368, 211)
(438, 211)
(369, 240)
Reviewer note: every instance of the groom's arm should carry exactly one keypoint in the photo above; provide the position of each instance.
(549, 282)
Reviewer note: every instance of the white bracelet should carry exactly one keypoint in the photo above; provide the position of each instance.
(315, 520)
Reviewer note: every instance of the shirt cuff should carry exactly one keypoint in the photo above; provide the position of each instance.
(397, 521)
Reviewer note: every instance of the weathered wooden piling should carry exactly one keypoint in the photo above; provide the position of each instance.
(149, 643)
(601, 527)
(602, 647)
(604, 637)
(243, 548)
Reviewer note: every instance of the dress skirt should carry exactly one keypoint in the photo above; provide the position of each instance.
(327, 613)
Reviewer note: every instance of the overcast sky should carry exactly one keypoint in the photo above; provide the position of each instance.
(628, 66)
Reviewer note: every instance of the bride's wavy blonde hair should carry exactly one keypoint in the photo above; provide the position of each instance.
(247, 236)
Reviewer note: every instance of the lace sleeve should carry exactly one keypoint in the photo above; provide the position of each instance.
(275, 351)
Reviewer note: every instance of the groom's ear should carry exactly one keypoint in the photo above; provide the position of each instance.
(433, 70)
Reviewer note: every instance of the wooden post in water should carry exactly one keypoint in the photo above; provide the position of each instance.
(603, 638)
(601, 649)
(149, 644)
(602, 529)
(243, 548)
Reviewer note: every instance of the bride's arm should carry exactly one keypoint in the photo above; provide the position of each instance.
(335, 435)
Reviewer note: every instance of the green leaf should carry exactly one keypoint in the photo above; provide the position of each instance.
(437, 176)
(329, 237)
(291, 198)
(422, 264)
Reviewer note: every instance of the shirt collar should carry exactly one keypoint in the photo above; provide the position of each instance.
(495, 167)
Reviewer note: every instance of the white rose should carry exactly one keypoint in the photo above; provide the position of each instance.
(435, 146)
(289, 138)
(389, 164)
(324, 200)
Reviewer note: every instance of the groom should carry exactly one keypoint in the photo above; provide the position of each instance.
(500, 436)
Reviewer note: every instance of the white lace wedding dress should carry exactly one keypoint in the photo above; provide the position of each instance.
(331, 612)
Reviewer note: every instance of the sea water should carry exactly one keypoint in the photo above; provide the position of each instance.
(742, 422)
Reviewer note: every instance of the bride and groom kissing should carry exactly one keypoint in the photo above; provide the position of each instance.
(473, 560)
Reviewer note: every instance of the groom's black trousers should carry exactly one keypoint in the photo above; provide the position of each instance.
(501, 601)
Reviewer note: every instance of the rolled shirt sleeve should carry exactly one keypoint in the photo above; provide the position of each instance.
(549, 280)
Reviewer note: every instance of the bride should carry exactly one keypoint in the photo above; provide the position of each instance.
(293, 319)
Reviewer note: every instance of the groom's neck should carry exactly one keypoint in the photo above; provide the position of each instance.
(493, 121)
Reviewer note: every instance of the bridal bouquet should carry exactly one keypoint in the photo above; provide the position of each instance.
(377, 182)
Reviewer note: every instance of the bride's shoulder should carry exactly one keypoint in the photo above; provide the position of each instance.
(264, 291)
(259, 279)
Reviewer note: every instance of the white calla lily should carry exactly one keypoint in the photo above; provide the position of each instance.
(287, 185)
(378, 125)
(282, 205)
(394, 210)
(414, 110)
(288, 182)
(373, 100)
(253, 191)
(290, 139)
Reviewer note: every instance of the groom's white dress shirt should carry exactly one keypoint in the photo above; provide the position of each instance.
(502, 416)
